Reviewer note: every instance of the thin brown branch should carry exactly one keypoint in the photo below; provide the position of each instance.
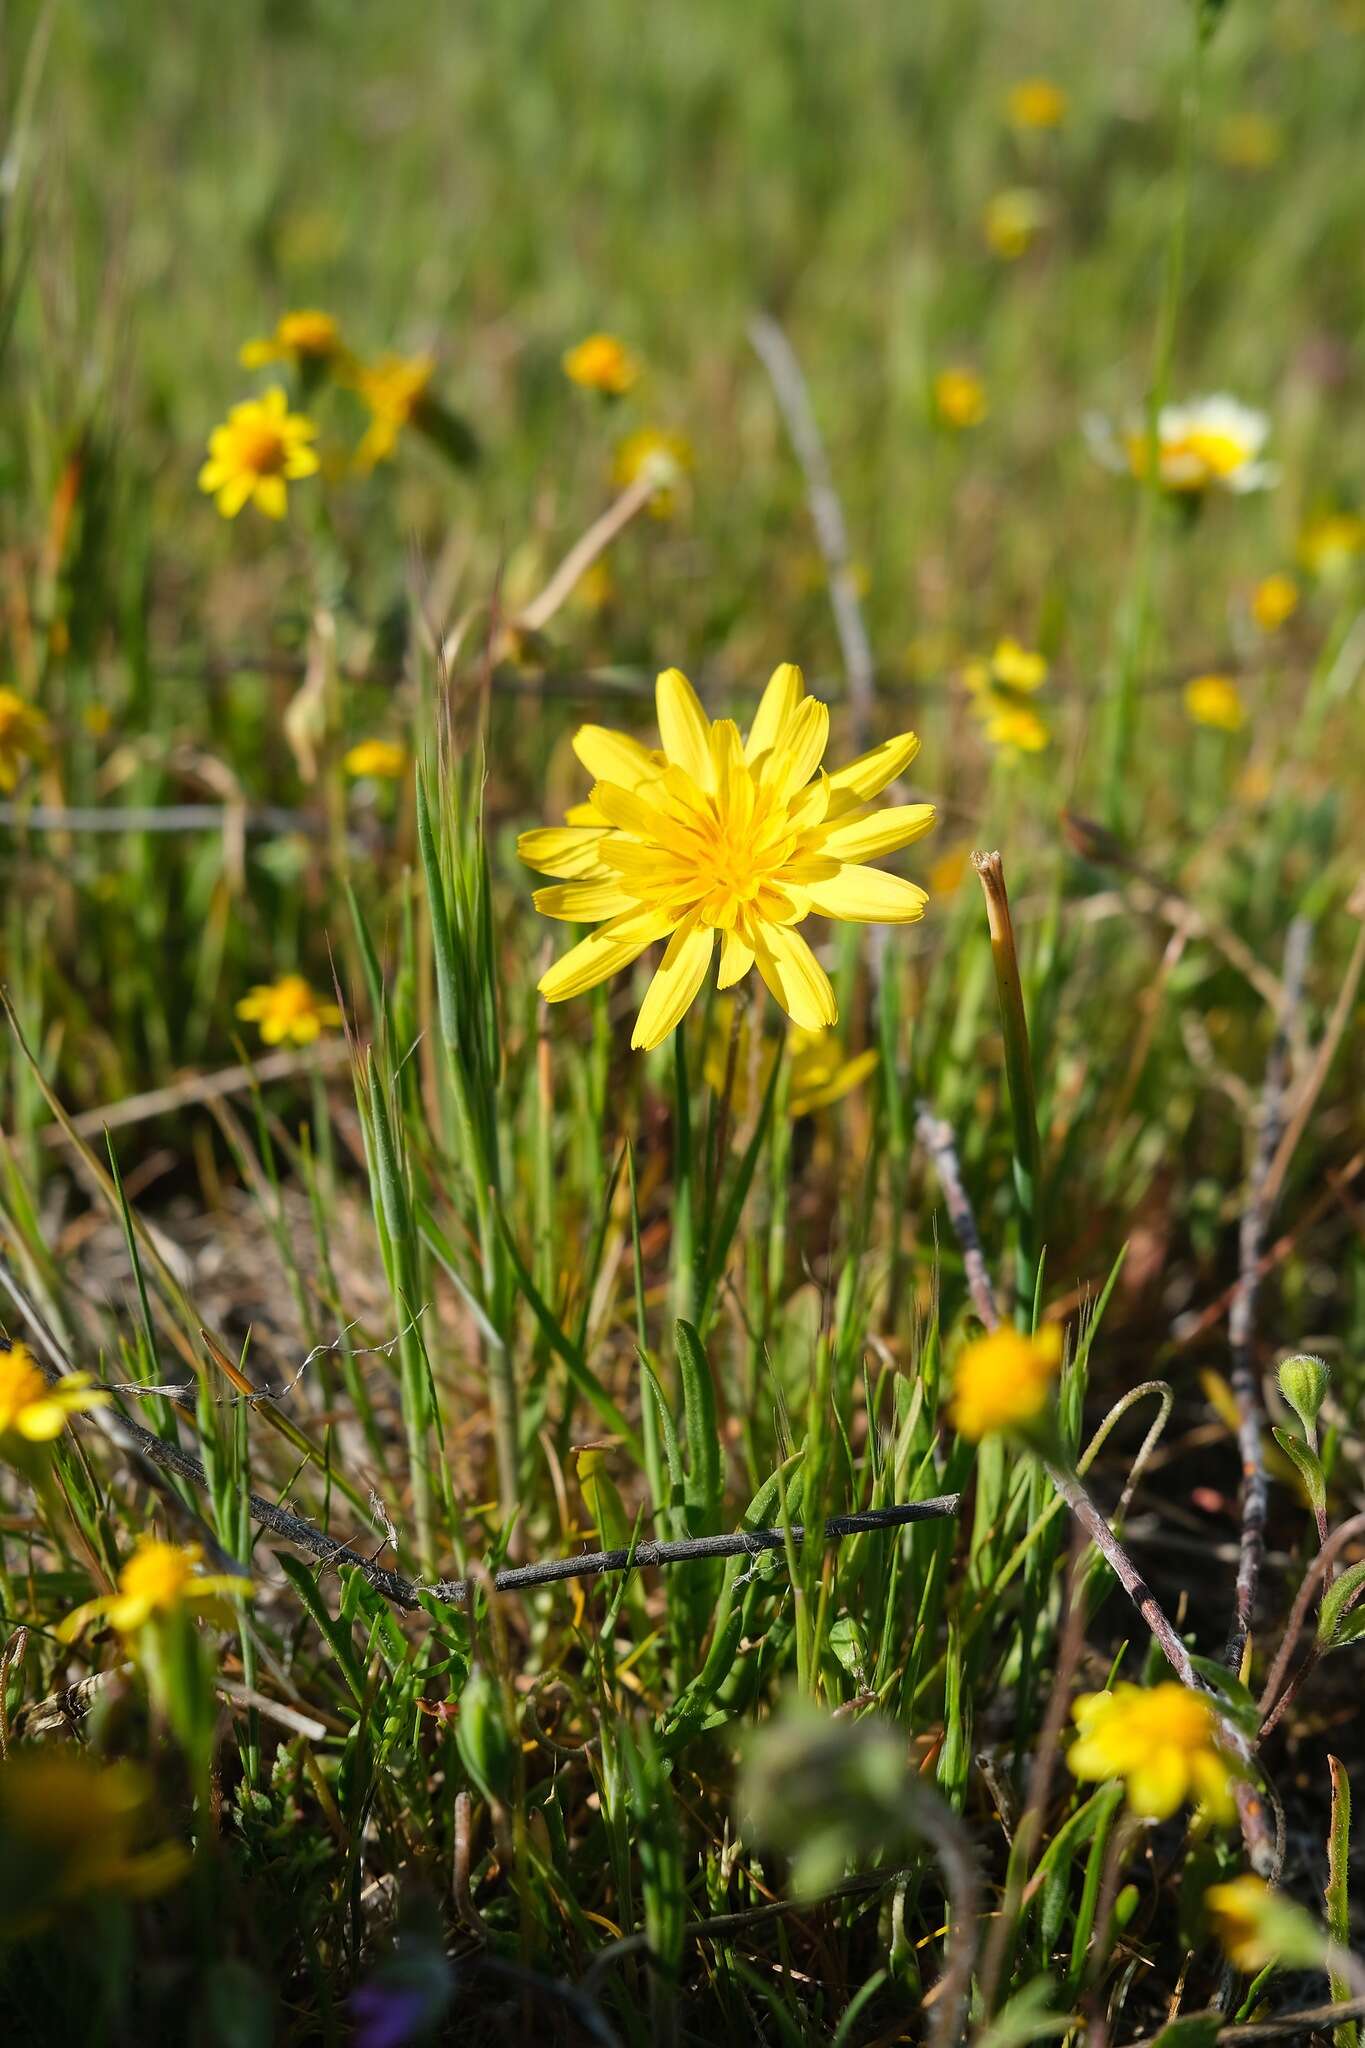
(191, 1089)
(1250, 1805)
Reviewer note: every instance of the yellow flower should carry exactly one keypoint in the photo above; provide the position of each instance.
(259, 445)
(32, 1409)
(654, 452)
(1210, 444)
(947, 872)
(1003, 1381)
(1249, 141)
(1162, 1740)
(287, 1011)
(717, 837)
(384, 760)
(1036, 103)
(1013, 220)
(960, 397)
(595, 588)
(1275, 599)
(1019, 668)
(159, 1579)
(1257, 1926)
(1330, 543)
(1215, 701)
(70, 1827)
(306, 338)
(395, 389)
(601, 362)
(817, 1071)
(1000, 688)
(98, 720)
(23, 734)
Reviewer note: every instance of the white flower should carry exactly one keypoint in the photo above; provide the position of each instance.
(1208, 444)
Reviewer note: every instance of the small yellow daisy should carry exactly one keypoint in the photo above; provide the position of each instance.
(960, 397)
(1215, 701)
(1162, 1740)
(287, 1011)
(1004, 1380)
(602, 363)
(260, 445)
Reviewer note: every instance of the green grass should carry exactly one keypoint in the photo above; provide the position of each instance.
(408, 1292)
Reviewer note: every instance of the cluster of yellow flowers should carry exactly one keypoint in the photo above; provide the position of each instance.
(603, 364)
(1001, 688)
(263, 445)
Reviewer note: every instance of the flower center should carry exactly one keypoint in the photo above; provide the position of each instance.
(158, 1574)
(260, 448)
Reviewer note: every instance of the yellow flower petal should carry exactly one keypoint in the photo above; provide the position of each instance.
(676, 981)
(614, 757)
(790, 767)
(736, 958)
(786, 687)
(795, 977)
(868, 896)
(683, 726)
(603, 953)
(583, 902)
(885, 832)
(871, 773)
(572, 852)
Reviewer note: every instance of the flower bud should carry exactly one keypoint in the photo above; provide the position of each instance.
(1303, 1382)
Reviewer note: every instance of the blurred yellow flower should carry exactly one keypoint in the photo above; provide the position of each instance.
(1215, 701)
(33, 1410)
(1257, 1926)
(603, 363)
(818, 1072)
(1013, 220)
(1004, 1380)
(714, 837)
(395, 388)
(1249, 141)
(595, 588)
(999, 689)
(287, 1011)
(382, 760)
(1019, 668)
(1330, 543)
(23, 735)
(1036, 103)
(1210, 444)
(98, 720)
(960, 397)
(70, 1827)
(665, 458)
(306, 338)
(258, 447)
(1275, 599)
(1162, 1740)
(946, 874)
(159, 1579)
